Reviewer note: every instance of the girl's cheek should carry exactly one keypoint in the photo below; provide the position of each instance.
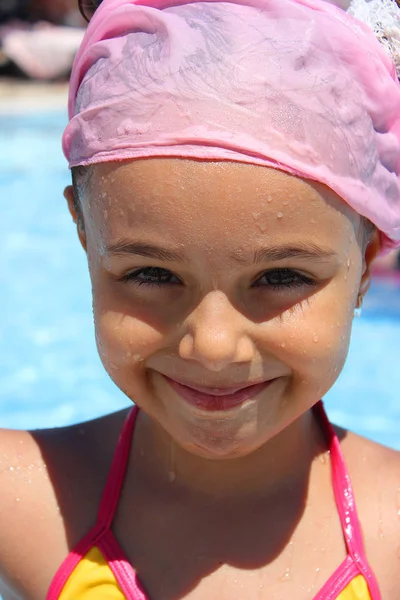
(313, 339)
(328, 348)
(123, 340)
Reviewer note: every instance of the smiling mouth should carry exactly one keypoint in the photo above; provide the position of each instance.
(217, 399)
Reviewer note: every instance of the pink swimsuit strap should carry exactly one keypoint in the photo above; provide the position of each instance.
(342, 486)
(345, 502)
(101, 534)
(115, 480)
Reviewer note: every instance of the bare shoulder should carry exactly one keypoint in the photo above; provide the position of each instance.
(375, 473)
(50, 483)
(26, 499)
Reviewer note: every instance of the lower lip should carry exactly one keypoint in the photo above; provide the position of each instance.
(209, 402)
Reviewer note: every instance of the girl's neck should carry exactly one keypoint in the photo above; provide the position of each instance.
(282, 462)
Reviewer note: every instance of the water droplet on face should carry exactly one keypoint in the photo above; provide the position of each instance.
(269, 198)
(315, 338)
(286, 575)
(17, 499)
(11, 468)
(260, 221)
(283, 345)
(279, 215)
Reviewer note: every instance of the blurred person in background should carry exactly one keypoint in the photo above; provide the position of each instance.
(58, 12)
(39, 38)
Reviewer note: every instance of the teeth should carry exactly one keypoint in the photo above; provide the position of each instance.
(216, 391)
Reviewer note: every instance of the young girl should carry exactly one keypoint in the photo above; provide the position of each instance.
(236, 171)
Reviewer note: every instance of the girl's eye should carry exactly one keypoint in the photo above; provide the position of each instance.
(151, 276)
(283, 279)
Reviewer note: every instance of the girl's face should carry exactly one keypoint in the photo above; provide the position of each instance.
(221, 276)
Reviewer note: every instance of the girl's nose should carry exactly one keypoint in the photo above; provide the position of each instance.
(216, 334)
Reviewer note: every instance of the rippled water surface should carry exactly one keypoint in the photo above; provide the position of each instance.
(49, 370)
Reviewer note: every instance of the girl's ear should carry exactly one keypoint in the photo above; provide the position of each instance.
(370, 254)
(77, 218)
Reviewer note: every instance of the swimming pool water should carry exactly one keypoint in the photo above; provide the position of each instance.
(50, 373)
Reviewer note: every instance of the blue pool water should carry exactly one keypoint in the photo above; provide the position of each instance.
(49, 370)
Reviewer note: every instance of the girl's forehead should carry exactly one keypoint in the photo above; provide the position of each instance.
(187, 196)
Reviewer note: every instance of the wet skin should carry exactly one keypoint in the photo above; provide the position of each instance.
(256, 276)
(220, 275)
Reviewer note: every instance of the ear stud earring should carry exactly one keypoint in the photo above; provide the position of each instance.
(358, 308)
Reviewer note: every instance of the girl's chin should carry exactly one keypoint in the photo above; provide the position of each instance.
(218, 440)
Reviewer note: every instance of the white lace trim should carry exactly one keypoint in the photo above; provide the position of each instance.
(383, 16)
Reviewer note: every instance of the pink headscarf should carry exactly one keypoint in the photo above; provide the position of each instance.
(298, 85)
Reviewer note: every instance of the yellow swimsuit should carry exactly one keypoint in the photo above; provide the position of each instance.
(96, 568)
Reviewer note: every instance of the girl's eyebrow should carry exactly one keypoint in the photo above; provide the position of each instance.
(275, 253)
(123, 247)
(304, 251)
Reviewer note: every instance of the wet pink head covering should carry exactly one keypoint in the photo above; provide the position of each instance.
(298, 85)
